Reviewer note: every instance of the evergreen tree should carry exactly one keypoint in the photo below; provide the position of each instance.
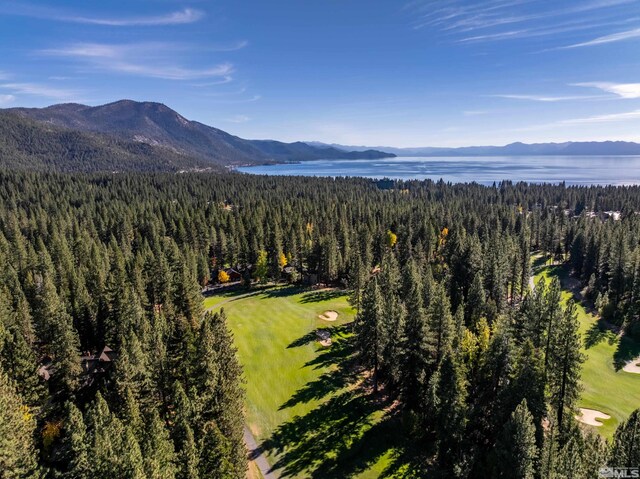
(157, 449)
(369, 330)
(440, 324)
(220, 393)
(451, 416)
(516, 451)
(564, 365)
(73, 451)
(417, 358)
(625, 450)
(216, 454)
(18, 457)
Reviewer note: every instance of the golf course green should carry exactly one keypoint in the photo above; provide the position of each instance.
(606, 387)
(305, 402)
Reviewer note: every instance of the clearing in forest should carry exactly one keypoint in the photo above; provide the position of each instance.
(306, 405)
(607, 387)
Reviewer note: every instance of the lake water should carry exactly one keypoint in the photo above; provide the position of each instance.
(575, 170)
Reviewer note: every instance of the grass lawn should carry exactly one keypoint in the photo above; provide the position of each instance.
(303, 405)
(606, 387)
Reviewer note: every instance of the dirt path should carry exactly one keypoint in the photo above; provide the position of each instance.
(256, 454)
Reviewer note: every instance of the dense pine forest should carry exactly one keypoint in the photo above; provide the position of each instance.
(110, 367)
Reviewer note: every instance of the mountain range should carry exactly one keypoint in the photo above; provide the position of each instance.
(144, 136)
(155, 129)
(585, 148)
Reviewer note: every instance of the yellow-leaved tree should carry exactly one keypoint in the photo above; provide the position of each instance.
(282, 260)
(392, 239)
(223, 277)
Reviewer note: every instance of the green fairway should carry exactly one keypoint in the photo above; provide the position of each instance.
(303, 401)
(606, 387)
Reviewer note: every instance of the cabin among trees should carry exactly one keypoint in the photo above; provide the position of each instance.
(93, 365)
(98, 364)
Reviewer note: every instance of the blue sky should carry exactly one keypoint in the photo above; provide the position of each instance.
(383, 72)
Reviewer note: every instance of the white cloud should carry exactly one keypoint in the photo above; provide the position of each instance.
(545, 98)
(222, 81)
(228, 47)
(169, 72)
(188, 15)
(142, 59)
(623, 90)
(502, 20)
(37, 89)
(613, 117)
(623, 117)
(181, 17)
(616, 37)
(6, 99)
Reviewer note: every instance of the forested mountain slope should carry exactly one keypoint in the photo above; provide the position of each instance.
(156, 124)
(33, 145)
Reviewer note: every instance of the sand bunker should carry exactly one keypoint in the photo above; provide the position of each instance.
(633, 366)
(324, 337)
(591, 416)
(329, 315)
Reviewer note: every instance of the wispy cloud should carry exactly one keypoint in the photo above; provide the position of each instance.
(222, 81)
(6, 99)
(38, 89)
(547, 98)
(153, 60)
(180, 17)
(228, 47)
(621, 117)
(622, 90)
(612, 117)
(188, 15)
(501, 20)
(615, 37)
(560, 28)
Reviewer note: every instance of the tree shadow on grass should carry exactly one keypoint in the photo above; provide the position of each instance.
(338, 333)
(628, 350)
(322, 295)
(339, 353)
(343, 436)
(284, 291)
(597, 333)
(342, 372)
(408, 461)
(381, 438)
(310, 337)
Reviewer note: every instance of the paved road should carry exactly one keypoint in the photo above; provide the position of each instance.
(256, 454)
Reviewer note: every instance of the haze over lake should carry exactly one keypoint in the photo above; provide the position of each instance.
(575, 170)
